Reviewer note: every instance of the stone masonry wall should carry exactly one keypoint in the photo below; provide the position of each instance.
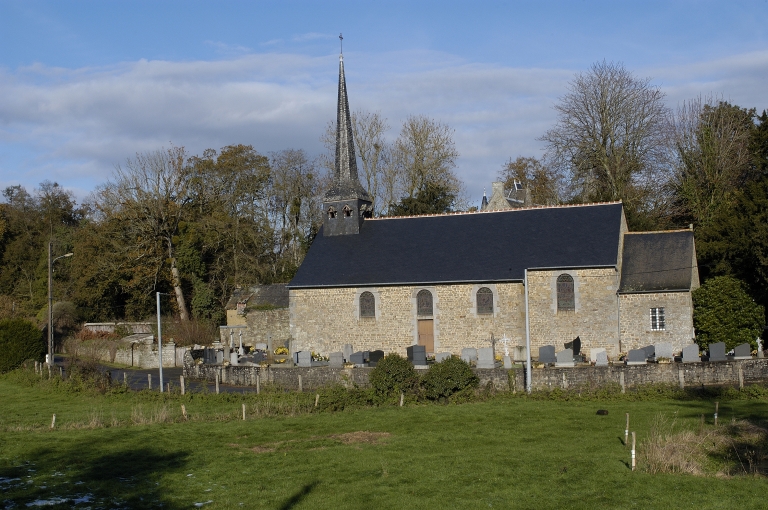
(261, 326)
(544, 379)
(323, 320)
(636, 320)
(595, 320)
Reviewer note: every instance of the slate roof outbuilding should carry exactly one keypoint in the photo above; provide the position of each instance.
(657, 262)
(474, 247)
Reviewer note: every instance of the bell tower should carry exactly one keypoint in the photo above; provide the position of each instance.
(346, 203)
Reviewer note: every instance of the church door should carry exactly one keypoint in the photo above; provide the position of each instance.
(427, 334)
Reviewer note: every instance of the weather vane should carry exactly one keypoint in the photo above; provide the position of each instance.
(341, 43)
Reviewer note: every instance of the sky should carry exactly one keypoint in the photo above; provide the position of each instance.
(84, 85)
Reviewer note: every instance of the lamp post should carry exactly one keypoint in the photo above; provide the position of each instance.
(51, 260)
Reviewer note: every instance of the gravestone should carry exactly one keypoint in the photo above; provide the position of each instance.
(564, 358)
(507, 362)
(303, 358)
(219, 357)
(649, 351)
(233, 359)
(691, 354)
(594, 352)
(637, 357)
(441, 356)
(336, 360)
(547, 354)
(717, 352)
(226, 355)
(469, 355)
(485, 358)
(574, 346)
(260, 346)
(417, 354)
(374, 357)
(209, 356)
(259, 357)
(663, 350)
(743, 351)
(519, 353)
(601, 360)
(347, 351)
(358, 358)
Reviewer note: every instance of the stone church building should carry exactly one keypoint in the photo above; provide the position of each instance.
(547, 274)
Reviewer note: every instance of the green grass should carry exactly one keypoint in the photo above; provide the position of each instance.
(507, 452)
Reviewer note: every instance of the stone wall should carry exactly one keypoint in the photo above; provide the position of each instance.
(271, 327)
(323, 320)
(140, 355)
(729, 373)
(595, 319)
(636, 320)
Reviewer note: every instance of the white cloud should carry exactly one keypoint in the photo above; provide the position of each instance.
(74, 125)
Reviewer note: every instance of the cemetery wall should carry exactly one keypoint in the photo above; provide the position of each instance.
(271, 327)
(323, 320)
(140, 355)
(595, 318)
(315, 378)
(682, 374)
(635, 320)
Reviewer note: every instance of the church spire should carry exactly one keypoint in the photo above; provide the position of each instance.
(347, 203)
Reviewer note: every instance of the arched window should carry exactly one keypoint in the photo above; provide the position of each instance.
(367, 305)
(331, 213)
(566, 300)
(424, 303)
(347, 211)
(484, 301)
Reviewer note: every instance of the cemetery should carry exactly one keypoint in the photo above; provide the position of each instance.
(498, 365)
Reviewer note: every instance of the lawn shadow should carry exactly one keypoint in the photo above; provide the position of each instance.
(58, 477)
(296, 498)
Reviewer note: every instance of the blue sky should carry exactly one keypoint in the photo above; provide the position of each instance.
(86, 84)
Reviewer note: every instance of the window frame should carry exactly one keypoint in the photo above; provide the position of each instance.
(488, 292)
(566, 297)
(368, 311)
(658, 319)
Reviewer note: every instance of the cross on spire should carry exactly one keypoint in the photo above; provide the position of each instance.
(341, 44)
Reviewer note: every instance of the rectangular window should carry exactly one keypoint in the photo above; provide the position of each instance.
(657, 319)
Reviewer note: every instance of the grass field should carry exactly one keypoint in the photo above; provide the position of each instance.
(135, 450)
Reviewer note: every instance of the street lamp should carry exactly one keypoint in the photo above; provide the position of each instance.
(51, 260)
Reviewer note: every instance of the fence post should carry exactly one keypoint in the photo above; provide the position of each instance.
(181, 383)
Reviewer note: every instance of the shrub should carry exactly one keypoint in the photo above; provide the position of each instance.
(724, 312)
(393, 374)
(450, 376)
(20, 340)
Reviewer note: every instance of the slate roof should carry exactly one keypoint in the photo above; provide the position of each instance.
(657, 261)
(473, 247)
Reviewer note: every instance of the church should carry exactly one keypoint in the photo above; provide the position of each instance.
(535, 275)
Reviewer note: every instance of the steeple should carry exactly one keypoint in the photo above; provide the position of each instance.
(346, 203)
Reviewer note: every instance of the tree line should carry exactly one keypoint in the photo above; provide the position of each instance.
(198, 226)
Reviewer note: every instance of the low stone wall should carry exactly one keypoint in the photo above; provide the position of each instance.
(140, 355)
(726, 373)
(311, 378)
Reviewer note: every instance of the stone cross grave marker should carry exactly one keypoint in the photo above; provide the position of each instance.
(717, 352)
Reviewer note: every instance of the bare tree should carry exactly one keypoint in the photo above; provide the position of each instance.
(424, 153)
(610, 138)
(545, 184)
(150, 195)
(713, 158)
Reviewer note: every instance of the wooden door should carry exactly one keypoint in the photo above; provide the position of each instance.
(427, 335)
